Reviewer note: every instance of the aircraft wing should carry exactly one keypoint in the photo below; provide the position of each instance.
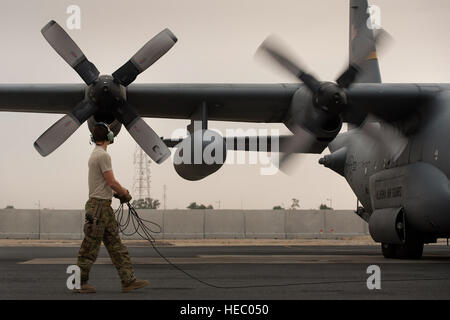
(267, 103)
(226, 102)
(40, 98)
(389, 102)
(270, 102)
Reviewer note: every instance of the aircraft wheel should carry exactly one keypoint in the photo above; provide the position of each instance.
(389, 250)
(412, 249)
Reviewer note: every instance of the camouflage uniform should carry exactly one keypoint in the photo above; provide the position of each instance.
(101, 225)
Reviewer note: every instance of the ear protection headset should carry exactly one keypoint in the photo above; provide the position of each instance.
(109, 135)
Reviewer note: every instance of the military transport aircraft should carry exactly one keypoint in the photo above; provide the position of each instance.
(394, 156)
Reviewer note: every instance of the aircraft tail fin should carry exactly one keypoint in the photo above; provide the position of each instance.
(360, 38)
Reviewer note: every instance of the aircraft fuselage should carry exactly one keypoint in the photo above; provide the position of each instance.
(417, 181)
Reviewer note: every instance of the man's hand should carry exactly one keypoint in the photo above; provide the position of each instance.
(124, 198)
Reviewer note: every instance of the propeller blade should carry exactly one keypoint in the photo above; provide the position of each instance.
(274, 48)
(142, 133)
(381, 39)
(347, 78)
(69, 51)
(390, 138)
(145, 57)
(300, 142)
(62, 129)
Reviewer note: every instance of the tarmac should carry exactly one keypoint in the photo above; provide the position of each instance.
(249, 269)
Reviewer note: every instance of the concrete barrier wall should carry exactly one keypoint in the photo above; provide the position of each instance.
(224, 224)
(306, 224)
(61, 224)
(184, 224)
(264, 224)
(334, 224)
(192, 224)
(19, 224)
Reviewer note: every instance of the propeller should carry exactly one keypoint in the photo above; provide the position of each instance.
(145, 57)
(69, 51)
(390, 138)
(62, 129)
(141, 132)
(330, 97)
(300, 142)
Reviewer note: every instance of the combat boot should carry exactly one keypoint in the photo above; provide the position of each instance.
(85, 288)
(136, 284)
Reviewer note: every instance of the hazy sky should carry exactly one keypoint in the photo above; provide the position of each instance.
(217, 41)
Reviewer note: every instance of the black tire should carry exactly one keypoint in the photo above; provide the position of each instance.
(412, 249)
(389, 250)
(409, 250)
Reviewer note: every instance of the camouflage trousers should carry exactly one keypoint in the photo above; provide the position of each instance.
(101, 225)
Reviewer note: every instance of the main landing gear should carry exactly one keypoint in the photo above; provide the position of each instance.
(411, 249)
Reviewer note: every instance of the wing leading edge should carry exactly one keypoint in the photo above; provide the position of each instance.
(40, 98)
(226, 102)
(265, 103)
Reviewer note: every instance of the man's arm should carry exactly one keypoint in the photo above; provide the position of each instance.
(113, 183)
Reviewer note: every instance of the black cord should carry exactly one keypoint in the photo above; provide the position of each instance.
(139, 227)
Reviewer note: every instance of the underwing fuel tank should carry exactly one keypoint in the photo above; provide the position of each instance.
(421, 189)
(200, 155)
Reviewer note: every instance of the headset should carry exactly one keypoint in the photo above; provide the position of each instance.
(109, 135)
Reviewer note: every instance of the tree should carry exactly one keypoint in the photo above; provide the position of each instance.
(195, 206)
(278, 208)
(295, 204)
(156, 204)
(325, 207)
(9, 207)
(192, 205)
(147, 203)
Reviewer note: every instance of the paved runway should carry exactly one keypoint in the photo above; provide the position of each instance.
(265, 272)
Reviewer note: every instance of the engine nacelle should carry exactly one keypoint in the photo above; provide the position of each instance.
(388, 225)
(303, 113)
(200, 155)
(114, 125)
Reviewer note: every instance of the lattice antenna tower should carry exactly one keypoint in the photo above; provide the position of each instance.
(141, 179)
